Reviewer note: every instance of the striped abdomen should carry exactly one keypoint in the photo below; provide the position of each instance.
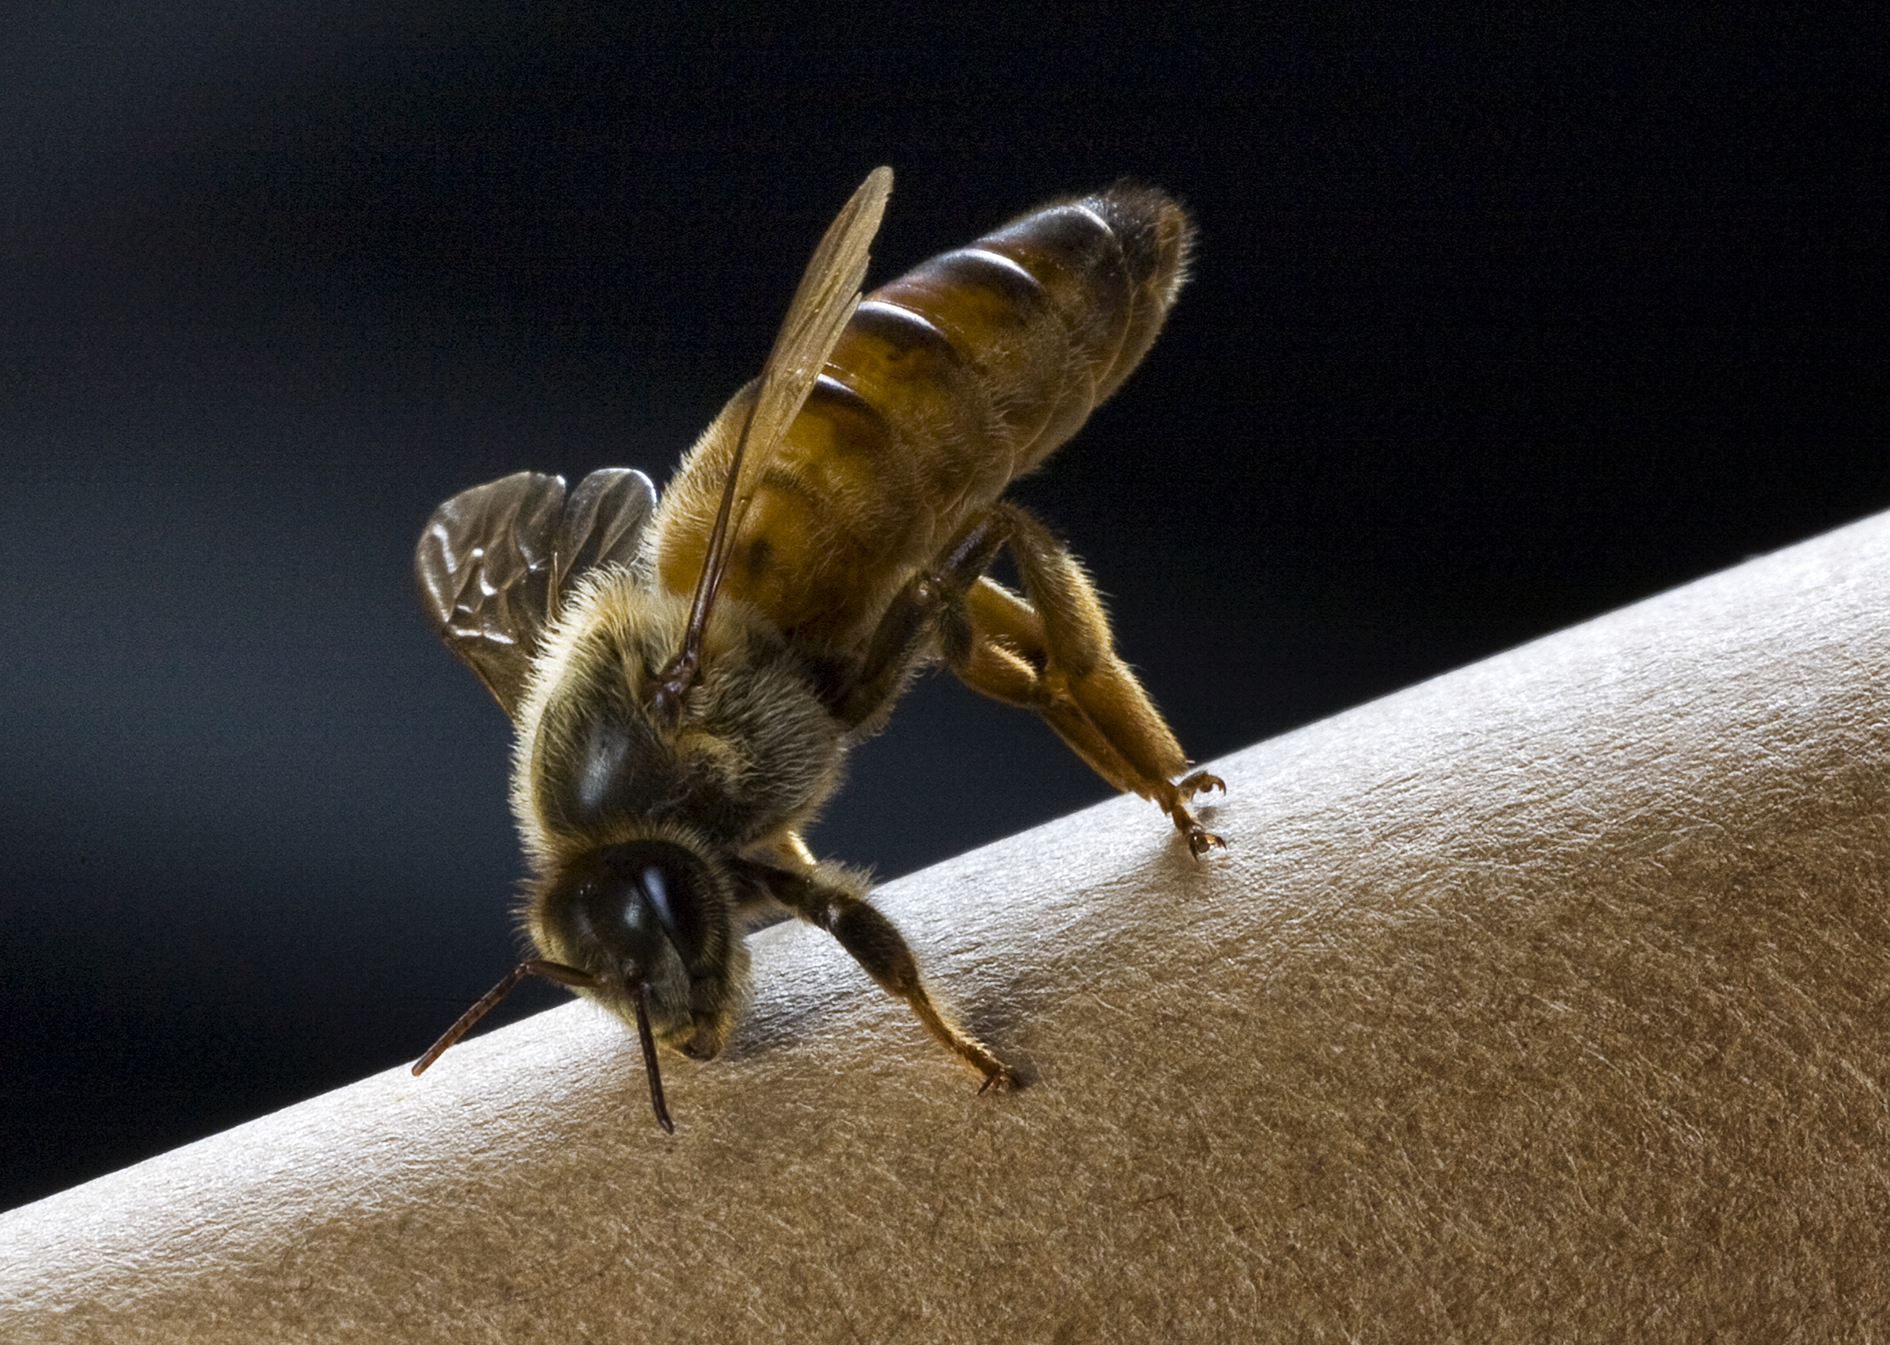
(948, 383)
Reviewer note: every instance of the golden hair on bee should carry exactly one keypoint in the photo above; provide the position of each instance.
(686, 675)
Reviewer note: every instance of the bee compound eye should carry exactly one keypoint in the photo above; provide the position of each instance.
(655, 888)
(639, 894)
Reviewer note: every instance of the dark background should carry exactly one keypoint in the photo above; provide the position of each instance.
(1501, 319)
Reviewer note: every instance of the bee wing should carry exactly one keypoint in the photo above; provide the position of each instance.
(494, 563)
(822, 305)
(603, 523)
(823, 302)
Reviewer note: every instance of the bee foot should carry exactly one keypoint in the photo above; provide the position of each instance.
(1000, 1079)
(1200, 841)
(1199, 783)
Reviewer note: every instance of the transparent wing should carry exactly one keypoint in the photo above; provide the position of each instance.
(822, 305)
(824, 301)
(494, 562)
(603, 523)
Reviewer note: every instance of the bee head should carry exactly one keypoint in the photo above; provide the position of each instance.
(651, 920)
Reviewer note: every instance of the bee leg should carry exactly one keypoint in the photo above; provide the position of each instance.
(1051, 652)
(919, 608)
(830, 897)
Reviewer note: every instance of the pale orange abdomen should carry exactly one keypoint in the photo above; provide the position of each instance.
(948, 383)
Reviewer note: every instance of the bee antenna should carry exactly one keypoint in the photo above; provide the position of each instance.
(536, 966)
(649, 1065)
(680, 673)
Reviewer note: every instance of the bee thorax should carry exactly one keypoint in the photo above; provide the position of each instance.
(754, 748)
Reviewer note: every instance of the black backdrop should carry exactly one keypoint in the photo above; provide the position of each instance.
(1500, 320)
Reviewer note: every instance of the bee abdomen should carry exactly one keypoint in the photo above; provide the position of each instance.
(945, 385)
(1012, 341)
(1111, 264)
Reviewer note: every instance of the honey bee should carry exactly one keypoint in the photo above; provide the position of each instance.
(686, 675)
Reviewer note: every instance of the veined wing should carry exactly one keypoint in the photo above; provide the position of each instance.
(495, 563)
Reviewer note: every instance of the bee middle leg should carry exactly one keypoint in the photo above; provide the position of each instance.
(912, 618)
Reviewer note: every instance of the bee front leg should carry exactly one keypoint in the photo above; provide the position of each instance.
(833, 898)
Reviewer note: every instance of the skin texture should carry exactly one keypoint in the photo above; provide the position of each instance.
(1547, 1002)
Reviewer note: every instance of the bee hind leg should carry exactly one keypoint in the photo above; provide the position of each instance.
(1049, 650)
